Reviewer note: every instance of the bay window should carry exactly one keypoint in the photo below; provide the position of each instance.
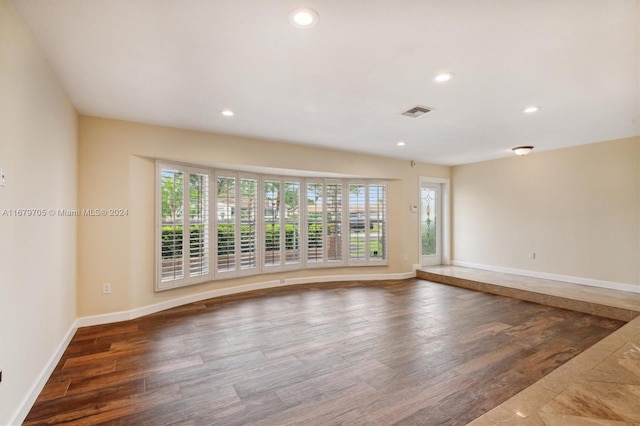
(262, 224)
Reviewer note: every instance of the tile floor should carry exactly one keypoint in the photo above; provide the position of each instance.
(601, 386)
(591, 300)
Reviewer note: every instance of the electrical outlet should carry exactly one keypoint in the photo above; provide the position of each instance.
(106, 288)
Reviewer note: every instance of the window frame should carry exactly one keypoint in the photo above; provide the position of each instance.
(186, 279)
(344, 224)
(367, 260)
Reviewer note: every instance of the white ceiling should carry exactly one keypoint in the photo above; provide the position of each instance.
(344, 83)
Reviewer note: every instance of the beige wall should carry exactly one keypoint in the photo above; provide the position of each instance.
(37, 254)
(117, 170)
(578, 209)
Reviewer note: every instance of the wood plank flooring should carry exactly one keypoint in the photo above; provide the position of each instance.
(383, 352)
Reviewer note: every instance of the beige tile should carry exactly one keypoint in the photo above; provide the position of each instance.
(632, 327)
(612, 312)
(566, 303)
(527, 402)
(623, 400)
(550, 419)
(497, 416)
(615, 340)
(579, 399)
(615, 370)
(556, 383)
(593, 356)
(531, 296)
(559, 379)
(533, 420)
(630, 302)
(630, 350)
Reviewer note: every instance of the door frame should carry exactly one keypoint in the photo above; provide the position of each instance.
(445, 222)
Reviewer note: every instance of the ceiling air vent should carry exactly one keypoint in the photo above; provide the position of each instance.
(417, 111)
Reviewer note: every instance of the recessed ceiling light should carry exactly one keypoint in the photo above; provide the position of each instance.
(531, 109)
(443, 77)
(401, 143)
(303, 18)
(227, 113)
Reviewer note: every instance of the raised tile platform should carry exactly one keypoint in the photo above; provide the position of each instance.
(615, 304)
(600, 386)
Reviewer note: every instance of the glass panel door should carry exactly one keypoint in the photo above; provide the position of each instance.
(430, 224)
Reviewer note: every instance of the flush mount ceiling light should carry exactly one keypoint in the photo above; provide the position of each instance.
(522, 150)
(531, 109)
(443, 77)
(401, 143)
(227, 113)
(303, 18)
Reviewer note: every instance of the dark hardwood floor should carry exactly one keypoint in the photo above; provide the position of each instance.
(391, 352)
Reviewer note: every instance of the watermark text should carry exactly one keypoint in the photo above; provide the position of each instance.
(64, 212)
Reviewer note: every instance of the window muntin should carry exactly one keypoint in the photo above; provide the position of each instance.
(260, 224)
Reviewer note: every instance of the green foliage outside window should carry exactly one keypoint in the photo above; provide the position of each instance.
(172, 238)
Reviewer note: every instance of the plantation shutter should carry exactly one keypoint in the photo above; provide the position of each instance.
(198, 224)
(172, 224)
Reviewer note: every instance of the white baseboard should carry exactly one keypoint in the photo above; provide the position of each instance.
(150, 309)
(361, 277)
(31, 396)
(157, 307)
(555, 277)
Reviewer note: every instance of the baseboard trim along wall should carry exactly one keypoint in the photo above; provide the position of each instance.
(36, 388)
(32, 395)
(151, 309)
(555, 277)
